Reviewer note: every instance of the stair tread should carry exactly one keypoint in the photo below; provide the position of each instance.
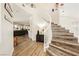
(55, 26)
(60, 31)
(48, 50)
(66, 50)
(65, 37)
(57, 52)
(65, 42)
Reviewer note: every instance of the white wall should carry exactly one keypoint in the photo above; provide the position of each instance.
(6, 47)
(47, 7)
(70, 17)
(55, 16)
(0, 23)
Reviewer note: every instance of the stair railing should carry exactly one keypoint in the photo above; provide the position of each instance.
(48, 22)
(7, 7)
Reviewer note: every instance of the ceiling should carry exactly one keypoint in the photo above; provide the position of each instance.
(71, 9)
(21, 16)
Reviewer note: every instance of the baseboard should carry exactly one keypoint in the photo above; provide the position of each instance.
(5, 53)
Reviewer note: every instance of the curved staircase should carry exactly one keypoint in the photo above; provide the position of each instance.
(63, 43)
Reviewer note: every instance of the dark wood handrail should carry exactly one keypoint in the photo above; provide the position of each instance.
(5, 6)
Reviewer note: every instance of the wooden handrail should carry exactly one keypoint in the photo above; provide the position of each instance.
(5, 6)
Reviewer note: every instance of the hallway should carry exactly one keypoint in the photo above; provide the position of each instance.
(27, 47)
(54, 24)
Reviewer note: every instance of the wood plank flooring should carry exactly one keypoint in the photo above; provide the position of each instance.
(27, 47)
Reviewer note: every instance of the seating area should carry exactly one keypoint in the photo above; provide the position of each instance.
(18, 33)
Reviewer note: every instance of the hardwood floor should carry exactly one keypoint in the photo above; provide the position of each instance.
(27, 47)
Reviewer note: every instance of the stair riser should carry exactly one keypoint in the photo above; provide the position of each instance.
(49, 53)
(63, 31)
(57, 31)
(58, 28)
(60, 31)
(69, 35)
(56, 34)
(55, 26)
